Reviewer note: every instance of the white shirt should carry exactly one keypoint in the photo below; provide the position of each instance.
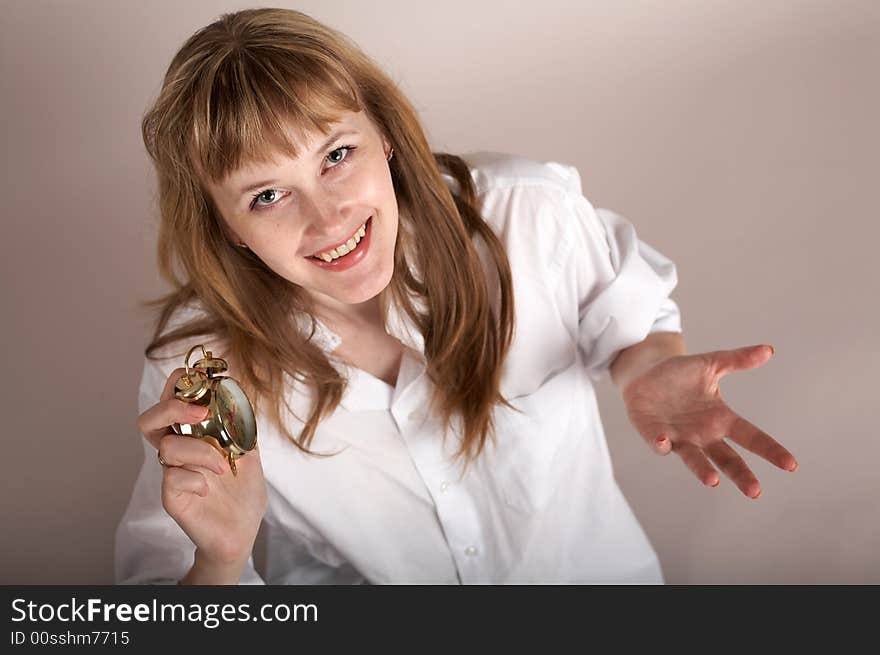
(539, 506)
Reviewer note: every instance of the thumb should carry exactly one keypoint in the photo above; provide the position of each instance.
(741, 359)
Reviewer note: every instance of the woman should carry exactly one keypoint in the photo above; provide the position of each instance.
(418, 334)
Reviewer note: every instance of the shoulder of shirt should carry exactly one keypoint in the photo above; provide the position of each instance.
(529, 201)
(557, 191)
(498, 170)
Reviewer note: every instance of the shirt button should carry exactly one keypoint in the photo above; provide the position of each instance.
(470, 551)
(444, 486)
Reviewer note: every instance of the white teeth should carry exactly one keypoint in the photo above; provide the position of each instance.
(346, 247)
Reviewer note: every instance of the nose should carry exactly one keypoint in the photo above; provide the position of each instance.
(325, 218)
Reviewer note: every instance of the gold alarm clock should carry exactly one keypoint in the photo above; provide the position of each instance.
(230, 425)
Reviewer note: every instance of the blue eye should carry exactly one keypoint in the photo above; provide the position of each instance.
(339, 163)
(347, 149)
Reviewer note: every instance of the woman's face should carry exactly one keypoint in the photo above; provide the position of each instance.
(297, 214)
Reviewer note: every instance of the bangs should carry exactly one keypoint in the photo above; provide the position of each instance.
(241, 114)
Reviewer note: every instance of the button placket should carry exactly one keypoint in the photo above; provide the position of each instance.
(456, 512)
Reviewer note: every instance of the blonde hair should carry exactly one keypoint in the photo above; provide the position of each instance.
(226, 97)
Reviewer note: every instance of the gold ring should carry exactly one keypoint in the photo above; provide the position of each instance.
(161, 461)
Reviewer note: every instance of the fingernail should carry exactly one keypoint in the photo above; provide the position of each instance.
(772, 350)
(756, 496)
(796, 467)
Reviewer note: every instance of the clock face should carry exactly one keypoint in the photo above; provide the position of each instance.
(236, 414)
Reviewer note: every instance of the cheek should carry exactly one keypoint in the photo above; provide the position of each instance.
(281, 235)
(373, 186)
(277, 244)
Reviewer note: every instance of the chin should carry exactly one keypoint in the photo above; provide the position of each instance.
(369, 291)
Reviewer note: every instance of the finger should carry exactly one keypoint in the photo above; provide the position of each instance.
(741, 359)
(729, 461)
(179, 450)
(759, 442)
(662, 445)
(180, 480)
(154, 421)
(698, 463)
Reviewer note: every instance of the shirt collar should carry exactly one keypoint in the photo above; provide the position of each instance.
(398, 324)
(364, 391)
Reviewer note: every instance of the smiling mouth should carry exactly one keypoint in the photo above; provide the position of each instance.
(345, 247)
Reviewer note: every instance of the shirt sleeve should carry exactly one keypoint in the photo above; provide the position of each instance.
(623, 286)
(151, 548)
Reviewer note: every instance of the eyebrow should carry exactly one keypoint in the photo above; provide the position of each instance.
(324, 146)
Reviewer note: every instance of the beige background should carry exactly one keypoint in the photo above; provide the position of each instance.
(740, 137)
